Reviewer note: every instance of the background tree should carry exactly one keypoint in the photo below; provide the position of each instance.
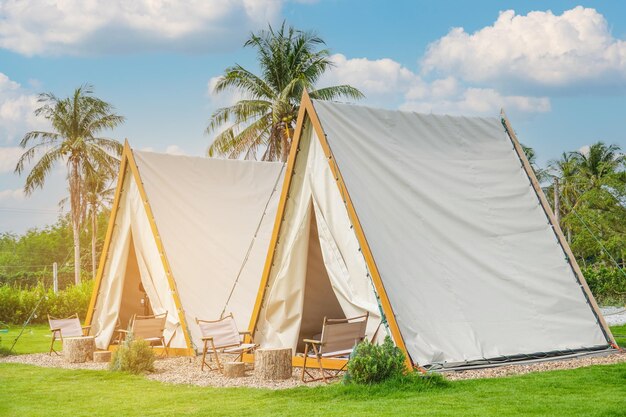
(76, 121)
(592, 190)
(290, 61)
(97, 193)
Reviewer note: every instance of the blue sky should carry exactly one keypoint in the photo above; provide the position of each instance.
(558, 68)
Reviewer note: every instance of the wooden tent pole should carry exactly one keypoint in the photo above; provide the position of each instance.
(557, 229)
(107, 240)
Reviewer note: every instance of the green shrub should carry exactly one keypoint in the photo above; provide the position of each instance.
(134, 356)
(16, 303)
(371, 363)
(607, 284)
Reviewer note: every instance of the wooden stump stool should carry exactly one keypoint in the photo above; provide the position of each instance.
(273, 364)
(78, 349)
(234, 369)
(102, 356)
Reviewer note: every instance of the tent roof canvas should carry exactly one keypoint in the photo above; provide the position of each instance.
(210, 221)
(460, 243)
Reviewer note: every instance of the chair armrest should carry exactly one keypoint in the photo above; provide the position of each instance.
(122, 331)
(207, 338)
(244, 333)
(317, 342)
(55, 330)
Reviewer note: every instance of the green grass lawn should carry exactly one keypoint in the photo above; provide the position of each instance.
(36, 339)
(32, 391)
(619, 332)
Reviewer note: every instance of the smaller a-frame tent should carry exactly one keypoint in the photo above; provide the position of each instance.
(436, 226)
(187, 236)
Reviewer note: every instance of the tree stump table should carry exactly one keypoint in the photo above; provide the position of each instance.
(102, 356)
(273, 364)
(78, 349)
(234, 369)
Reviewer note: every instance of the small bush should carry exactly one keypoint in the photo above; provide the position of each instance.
(134, 356)
(371, 363)
(607, 284)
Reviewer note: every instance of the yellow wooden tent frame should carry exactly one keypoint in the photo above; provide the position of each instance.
(129, 165)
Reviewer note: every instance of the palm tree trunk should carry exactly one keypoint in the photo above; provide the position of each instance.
(75, 212)
(94, 232)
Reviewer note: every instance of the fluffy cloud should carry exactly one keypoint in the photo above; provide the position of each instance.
(8, 158)
(16, 110)
(482, 101)
(175, 150)
(34, 27)
(385, 81)
(539, 48)
(9, 194)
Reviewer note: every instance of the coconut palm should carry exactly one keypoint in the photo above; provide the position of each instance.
(76, 121)
(290, 61)
(97, 193)
(601, 166)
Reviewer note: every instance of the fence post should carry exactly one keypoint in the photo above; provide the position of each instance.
(55, 278)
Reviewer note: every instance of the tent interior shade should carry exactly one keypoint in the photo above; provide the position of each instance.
(211, 217)
(467, 256)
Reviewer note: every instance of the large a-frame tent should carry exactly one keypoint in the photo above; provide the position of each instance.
(187, 235)
(435, 225)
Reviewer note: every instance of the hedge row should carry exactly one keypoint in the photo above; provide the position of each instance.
(17, 303)
(608, 285)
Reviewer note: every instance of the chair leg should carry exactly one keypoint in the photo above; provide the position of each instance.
(319, 363)
(306, 354)
(52, 344)
(217, 358)
(164, 346)
(204, 356)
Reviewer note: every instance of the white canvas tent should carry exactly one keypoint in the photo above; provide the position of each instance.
(435, 223)
(187, 235)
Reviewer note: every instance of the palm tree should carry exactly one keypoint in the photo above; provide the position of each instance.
(566, 170)
(75, 120)
(540, 173)
(290, 61)
(97, 193)
(600, 166)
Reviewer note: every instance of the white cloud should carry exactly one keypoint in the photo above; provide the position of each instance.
(8, 158)
(539, 48)
(170, 149)
(225, 98)
(385, 81)
(9, 194)
(34, 27)
(584, 149)
(374, 77)
(479, 101)
(16, 110)
(175, 150)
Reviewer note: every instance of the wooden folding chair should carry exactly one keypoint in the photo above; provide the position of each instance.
(148, 328)
(67, 327)
(223, 336)
(338, 339)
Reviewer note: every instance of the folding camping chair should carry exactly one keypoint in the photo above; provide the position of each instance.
(222, 336)
(67, 327)
(148, 328)
(338, 339)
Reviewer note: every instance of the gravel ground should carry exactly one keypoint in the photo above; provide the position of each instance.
(187, 370)
(537, 367)
(614, 316)
(182, 370)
